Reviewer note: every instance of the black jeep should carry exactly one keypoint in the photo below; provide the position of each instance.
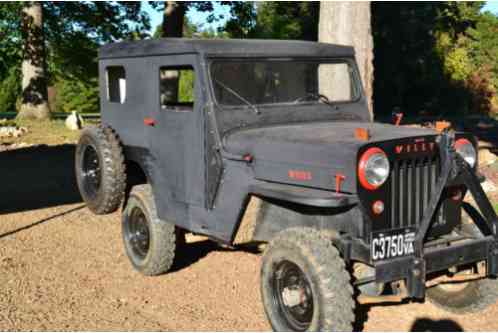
(192, 129)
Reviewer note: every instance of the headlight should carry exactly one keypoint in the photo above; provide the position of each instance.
(467, 151)
(373, 168)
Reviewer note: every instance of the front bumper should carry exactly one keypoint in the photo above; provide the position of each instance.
(414, 270)
(427, 259)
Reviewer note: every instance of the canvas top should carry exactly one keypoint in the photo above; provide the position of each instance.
(224, 48)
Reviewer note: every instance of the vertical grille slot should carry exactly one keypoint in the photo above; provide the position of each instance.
(412, 184)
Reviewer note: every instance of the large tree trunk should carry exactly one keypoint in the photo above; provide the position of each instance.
(173, 18)
(349, 23)
(34, 84)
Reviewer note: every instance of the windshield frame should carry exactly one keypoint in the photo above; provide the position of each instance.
(355, 78)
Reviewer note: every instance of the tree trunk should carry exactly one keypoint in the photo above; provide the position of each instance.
(173, 18)
(34, 84)
(349, 23)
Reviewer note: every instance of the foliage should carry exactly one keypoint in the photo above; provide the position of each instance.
(274, 20)
(10, 89)
(186, 85)
(432, 57)
(73, 31)
(287, 20)
(483, 44)
(77, 95)
(469, 56)
(242, 21)
(10, 34)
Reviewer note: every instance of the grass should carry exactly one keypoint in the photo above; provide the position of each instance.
(49, 132)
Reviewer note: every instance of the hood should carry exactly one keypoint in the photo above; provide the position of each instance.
(312, 154)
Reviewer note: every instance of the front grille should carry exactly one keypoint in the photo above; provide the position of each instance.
(413, 181)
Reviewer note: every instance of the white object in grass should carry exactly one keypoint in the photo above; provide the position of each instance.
(74, 121)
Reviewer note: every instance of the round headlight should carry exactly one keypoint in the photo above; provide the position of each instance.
(373, 168)
(467, 151)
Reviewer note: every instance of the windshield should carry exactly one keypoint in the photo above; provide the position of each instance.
(263, 82)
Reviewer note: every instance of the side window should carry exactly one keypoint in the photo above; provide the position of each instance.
(176, 86)
(116, 84)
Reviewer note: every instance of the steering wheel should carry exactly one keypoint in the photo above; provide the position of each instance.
(312, 96)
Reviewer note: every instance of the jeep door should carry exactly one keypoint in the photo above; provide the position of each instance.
(175, 130)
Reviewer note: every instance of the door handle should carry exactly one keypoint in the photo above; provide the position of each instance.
(149, 122)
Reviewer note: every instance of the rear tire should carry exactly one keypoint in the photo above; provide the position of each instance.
(304, 283)
(100, 170)
(150, 243)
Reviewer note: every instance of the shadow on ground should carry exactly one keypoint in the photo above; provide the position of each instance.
(429, 325)
(37, 177)
(419, 325)
(192, 252)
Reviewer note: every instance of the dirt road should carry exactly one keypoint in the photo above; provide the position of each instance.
(62, 268)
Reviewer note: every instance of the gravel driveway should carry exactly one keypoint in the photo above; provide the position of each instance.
(62, 268)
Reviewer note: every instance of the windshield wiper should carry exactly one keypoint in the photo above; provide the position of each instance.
(234, 93)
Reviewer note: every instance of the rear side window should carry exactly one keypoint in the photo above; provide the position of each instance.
(177, 88)
(116, 84)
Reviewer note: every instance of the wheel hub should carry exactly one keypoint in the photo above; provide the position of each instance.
(138, 233)
(293, 295)
(91, 171)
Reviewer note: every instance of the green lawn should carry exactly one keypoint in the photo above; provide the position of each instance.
(49, 132)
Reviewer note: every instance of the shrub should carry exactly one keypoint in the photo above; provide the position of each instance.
(77, 95)
(10, 91)
(482, 92)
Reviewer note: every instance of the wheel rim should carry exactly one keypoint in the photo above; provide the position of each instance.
(91, 171)
(292, 295)
(137, 233)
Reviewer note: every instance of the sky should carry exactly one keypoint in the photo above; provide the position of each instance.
(492, 6)
(199, 18)
(196, 17)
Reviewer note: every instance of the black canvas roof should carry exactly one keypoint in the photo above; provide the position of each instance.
(223, 47)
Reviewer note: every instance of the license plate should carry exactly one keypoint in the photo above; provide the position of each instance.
(392, 243)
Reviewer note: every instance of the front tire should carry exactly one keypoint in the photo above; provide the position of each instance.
(149, 242)
(469, 297)
(305, 285)
(466, 297)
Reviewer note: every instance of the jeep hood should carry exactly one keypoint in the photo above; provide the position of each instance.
(312, 154)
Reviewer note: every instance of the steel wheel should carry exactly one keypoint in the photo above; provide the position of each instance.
(292, 295)
(137, 233)
(91, 171)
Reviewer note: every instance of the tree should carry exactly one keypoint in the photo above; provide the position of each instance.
(173, 25)
(287, 20)
(428, 57)
(66, 40)
(173, 19)
(34, 85)
(243, 19)
(348, 23)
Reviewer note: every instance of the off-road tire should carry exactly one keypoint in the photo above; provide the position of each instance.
(475, 297)
(325, 271)
(112, 173)
(164, 237)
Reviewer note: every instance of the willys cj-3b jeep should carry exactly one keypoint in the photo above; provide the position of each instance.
(191, 129)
